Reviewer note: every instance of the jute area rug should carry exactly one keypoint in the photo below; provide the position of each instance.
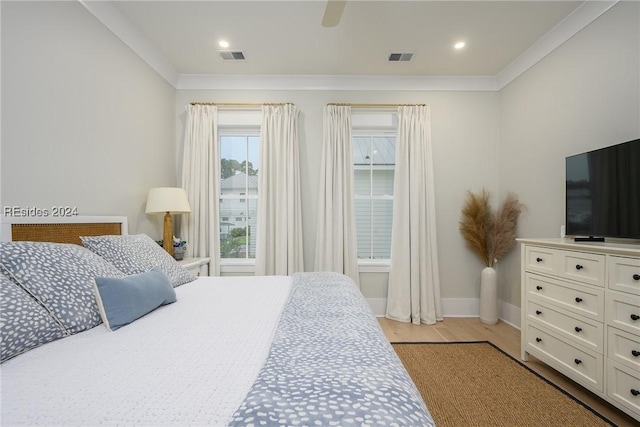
(476, 384)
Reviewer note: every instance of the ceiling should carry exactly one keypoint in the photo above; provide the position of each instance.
(286, 38)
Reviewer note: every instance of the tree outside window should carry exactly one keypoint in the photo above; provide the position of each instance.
(239, 190)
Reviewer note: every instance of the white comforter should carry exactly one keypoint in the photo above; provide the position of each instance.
(191, 362)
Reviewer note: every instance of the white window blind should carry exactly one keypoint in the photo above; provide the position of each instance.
(373, 141)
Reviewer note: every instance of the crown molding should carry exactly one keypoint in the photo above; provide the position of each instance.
(111, 17)
(331, 82)
(581, 17)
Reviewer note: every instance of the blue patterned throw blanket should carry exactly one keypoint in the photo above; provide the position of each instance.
(330, 365)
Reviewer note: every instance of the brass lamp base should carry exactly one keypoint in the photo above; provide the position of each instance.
(167, 240)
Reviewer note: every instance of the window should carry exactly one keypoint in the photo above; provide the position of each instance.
(374, 154)
(239, 159)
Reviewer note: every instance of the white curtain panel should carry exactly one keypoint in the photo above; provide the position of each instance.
(279, 237)
(201, 181)
(336, 245)
(414, 283)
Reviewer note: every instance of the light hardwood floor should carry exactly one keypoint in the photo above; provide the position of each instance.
(505, 337)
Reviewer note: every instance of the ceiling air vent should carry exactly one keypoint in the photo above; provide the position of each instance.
(400, 57)
(228, 55)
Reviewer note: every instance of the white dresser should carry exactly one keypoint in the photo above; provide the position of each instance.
(581, 314)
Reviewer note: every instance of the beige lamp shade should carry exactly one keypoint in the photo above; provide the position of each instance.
(167, 199)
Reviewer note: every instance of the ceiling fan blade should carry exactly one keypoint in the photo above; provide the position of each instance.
(333, 12)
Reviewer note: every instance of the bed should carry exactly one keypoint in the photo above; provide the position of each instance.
(239, 351)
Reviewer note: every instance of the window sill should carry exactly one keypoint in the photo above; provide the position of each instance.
(238, 266)
(374, 266)
(248, 266)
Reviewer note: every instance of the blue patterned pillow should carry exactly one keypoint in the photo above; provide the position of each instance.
(60, 276)
(24, 324)
(137, 253)
(123, 300)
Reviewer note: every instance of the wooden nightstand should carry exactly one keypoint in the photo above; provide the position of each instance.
(196, 266)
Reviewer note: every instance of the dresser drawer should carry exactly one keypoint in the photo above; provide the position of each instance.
(624, 274)
(584, 267)
(623, 312)
(594, 287)
(588, 333)
(623, 385)
(582, 300)
(540, 259)
(624, 348)
(584, 367)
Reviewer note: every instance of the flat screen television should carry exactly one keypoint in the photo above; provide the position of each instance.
(603, 192)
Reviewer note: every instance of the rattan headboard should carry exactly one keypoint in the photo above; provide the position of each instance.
(60, 230)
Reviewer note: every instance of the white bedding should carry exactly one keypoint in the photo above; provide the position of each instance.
(220, 331)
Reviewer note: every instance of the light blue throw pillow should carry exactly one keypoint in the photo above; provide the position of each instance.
(123, 300)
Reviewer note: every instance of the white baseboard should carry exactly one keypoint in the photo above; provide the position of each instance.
(378, 306)
(459, 307)
(509, 313)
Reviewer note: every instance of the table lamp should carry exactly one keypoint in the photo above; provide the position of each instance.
(167, 200)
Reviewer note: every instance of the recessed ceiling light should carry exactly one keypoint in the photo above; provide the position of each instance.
(459, 45)
(223, 43)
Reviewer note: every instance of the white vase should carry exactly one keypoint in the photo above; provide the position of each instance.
(488, 296)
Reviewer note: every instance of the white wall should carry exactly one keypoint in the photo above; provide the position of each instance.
(584, 95)
(85, 122)
(465, 140)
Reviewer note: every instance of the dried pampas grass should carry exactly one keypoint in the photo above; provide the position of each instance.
(489, 234)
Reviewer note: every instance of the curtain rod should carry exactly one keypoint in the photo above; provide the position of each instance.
(241, 104)
(377, 105)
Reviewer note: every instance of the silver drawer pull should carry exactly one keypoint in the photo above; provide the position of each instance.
(578, 329)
